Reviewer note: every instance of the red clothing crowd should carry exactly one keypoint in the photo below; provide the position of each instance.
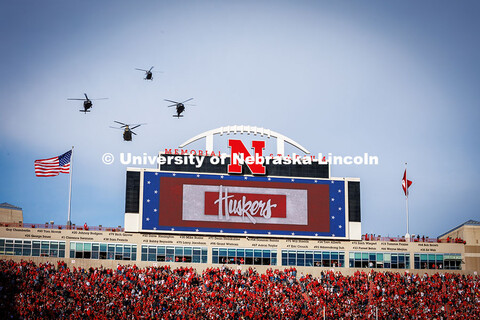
(455, 240)
(47, 291)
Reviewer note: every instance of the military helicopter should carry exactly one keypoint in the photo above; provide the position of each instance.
(127, 129)
(179, 105)
(87, 103)
(148, 73)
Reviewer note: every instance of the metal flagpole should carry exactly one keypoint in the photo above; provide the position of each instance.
(69, 222)
(407, 236)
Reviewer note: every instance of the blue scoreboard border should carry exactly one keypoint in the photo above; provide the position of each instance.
(151, 191)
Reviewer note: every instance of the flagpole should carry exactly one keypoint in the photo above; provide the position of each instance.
(407, 236)
(69, 221)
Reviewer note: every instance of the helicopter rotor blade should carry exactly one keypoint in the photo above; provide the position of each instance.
(86, 97)
(123, 124)
(187, 100)
(115, 128)
(76, 99)
(172, 101)
(150, 69)
(173, 105)
(138, 125)
(99, 99)
(133, 132)
(141, 70)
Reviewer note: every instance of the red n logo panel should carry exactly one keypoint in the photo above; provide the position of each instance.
(238, 148)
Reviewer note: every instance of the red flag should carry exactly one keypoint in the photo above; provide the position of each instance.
(405, 183)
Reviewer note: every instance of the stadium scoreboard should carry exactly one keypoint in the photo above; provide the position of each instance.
(298, 201)
(243, 193)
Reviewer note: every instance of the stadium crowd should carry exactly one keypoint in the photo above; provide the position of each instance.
(47, 291)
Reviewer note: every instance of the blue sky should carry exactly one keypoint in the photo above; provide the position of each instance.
(396, 79)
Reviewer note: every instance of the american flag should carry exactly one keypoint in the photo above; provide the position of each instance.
(53, 166)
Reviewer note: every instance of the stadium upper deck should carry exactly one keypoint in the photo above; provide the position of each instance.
(109, 248)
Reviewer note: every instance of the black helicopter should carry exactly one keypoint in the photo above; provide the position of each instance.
(148, 73)
(179, 105)
(127, 130)
(87, 103)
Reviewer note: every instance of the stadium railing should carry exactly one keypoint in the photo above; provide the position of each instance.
(60, 227)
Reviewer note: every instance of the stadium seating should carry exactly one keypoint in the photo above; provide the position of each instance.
(49, 291)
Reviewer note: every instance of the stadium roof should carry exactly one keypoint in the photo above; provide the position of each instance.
(468, 223)
(9, 206)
